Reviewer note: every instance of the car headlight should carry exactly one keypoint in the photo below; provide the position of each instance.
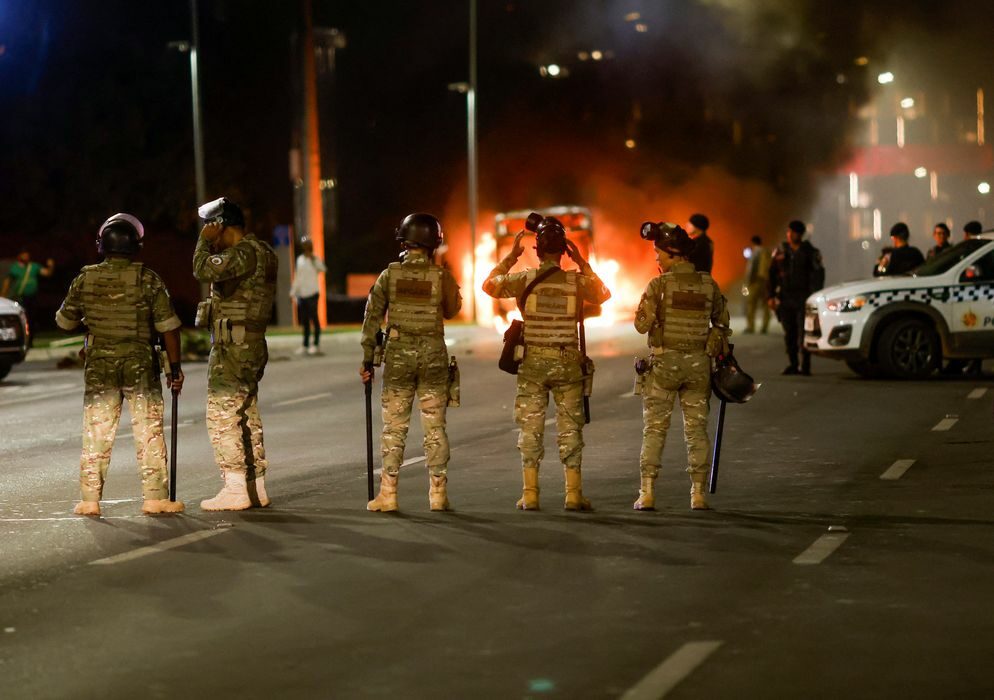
(846, 304)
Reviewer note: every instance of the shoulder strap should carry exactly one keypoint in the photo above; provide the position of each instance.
(531, 285)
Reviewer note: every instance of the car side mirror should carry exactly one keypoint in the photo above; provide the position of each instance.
(970, 274)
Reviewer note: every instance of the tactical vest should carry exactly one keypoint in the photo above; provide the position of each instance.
(686, 309)
(250, 302)
(550, 312)
(414, 299)
(114, 305)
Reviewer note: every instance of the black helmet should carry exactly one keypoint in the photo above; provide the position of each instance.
(121, 234)
(730, 383)
(668, 237)
(422, 230)
(222, 211)
(550, 234)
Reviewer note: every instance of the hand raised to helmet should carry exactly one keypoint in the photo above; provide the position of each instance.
(574, 253)
(517, 249)
(211, 231)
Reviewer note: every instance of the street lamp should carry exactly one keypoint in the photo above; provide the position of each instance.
(198, 132)
(885, 78)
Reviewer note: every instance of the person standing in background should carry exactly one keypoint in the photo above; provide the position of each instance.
(703, 254)
(21, 283)
(306, 290)
(971, 229)
(756, 280)
(940, 234)
(795, 274)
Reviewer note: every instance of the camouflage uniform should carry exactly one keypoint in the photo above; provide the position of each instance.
(682, 311)
(122, 304)
(243, 286)
(552, 361)
(415, 295)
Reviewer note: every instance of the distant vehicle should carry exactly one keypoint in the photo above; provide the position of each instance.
(14, 335)
(579, 223)
(904, 326)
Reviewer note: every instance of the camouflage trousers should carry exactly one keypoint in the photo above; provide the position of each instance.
(109, 381)
(687, 376)
(233, 421)
(538, 376)
(415, 366)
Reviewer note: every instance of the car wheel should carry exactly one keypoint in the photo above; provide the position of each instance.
(4, 369)
(909, 349)
(864, 368)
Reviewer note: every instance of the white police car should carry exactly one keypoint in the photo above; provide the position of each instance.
(14, 338)
(904, 326)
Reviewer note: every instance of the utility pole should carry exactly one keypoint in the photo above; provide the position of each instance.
(472, 183)
(198, 129)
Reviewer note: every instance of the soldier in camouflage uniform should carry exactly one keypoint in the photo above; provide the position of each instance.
(552, 360)
(123, 305)
(685, 317)
(415, 295)
(242, 273)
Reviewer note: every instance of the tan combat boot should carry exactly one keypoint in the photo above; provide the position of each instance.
(438, 499)
(87, 508)
(529, 489)
(698, 497)
(154, 506)
(386, 500)
(574, 492)
(647, 494)
(257, 492)
(234, 495)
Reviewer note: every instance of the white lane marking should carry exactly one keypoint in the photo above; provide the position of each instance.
(672, 671)
(37, 397)
(81, 518)
(302, 399)
(405, 463)
(159, 547)
(897, 469)
(821, 549)
(944, 424)
(550, 421)
(627, 395)
(977, 393)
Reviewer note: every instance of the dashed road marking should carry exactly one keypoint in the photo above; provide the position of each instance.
(944, 424)
(977, 393)
(302, 399)
(897, 469)
(821, 549)
(159, 547)
(626, 395)
(672, 671)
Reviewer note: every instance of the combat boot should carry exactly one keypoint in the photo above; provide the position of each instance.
(647, 494)
(234, 495)
(87, 508)
(574, 492)
(438, 499)
(529, 489)
(257, 492)
(698, 499)
(154, 506)
(386, 500)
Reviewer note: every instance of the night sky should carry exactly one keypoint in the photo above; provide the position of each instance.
(735, 107)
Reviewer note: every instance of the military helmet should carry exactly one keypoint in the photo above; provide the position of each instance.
(121, 234)
(222, 211)
(550, 234)
(669, 238)
(422, 230)
(730, 383)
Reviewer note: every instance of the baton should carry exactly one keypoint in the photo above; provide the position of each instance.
(369, 429)
(716, 455)
(173, 440)
(583, 357)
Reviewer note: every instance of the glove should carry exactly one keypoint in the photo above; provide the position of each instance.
(717, 342)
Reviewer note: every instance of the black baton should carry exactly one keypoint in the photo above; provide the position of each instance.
(173, 440)
(369, 429)
(716, 455)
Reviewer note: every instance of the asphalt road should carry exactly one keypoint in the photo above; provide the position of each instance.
(850, 551)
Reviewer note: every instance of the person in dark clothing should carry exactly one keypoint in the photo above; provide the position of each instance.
(971, 229)
(900, 258)
(940, 234)
(795, 273)
(703, 254)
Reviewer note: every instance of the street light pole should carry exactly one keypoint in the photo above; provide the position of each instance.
(198, 132)
(471, 150)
